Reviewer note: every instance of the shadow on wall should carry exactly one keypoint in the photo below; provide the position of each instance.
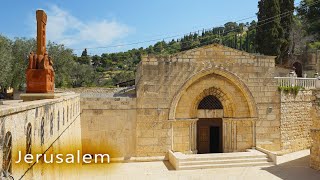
(294, 170)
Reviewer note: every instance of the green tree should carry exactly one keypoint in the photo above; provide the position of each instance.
(84, 58)
(159, 47)
(174, 47)
(269, 31)
(186, 42)
(231, 26)
(96, 61)
(83, 75)
(309, 13)
(63, 61)
(287, 10)
(123, 76)
(5, 63)
(20, 51)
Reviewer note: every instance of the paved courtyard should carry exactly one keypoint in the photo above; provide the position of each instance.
(294, 170)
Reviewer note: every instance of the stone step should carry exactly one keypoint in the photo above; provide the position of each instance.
(222, 156)
(209, 166)
(224, 161)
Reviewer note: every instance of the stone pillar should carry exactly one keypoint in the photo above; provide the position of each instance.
(234, 135)
(227, 135)
(171, 134)
(254, 132)
(193, 136)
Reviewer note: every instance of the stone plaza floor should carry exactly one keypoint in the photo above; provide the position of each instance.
(293, 170)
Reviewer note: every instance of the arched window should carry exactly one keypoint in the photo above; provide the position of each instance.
(51, 124)
(42, 131)
(29, 139)
(58, 123)
(7, 154)
(210, 102)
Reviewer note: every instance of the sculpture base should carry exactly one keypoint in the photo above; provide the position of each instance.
(40, 81)
(38, 96)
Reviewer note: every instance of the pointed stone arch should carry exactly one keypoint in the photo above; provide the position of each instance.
(225, 100)
(221, 73)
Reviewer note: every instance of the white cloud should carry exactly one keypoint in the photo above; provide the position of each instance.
(64, 28)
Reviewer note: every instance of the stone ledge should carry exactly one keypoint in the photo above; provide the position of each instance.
(282, 157)
(8, 109)
(39, 96)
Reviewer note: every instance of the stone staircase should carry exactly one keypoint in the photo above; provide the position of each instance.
(221, 160)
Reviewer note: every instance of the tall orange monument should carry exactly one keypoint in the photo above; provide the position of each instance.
(40, 73)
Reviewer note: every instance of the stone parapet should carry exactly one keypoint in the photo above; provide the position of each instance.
(54, 126)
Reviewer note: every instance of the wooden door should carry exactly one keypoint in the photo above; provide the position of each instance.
(203, 139)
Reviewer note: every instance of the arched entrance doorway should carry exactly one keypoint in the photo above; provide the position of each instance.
(237, 113)
(209, 127)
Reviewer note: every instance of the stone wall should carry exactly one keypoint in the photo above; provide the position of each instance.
(165, 94)
(62, 134)
(315, 149)
(315, 134)
(108, 125)
(296, 121)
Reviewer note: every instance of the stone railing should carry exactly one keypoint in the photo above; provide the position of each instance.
(307, 83)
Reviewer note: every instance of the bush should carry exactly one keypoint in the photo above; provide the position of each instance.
(290, 89)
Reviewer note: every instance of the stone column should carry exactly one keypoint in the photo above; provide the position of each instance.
(193, 136)
(253, 121)
(234, 135)
(227, 135)
(171, 122)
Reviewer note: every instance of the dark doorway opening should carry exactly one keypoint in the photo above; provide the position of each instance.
(209, 136)
(298, 68)
(215, 140)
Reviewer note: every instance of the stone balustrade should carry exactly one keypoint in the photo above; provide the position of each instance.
(306, 83)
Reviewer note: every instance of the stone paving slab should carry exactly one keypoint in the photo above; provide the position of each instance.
(294, 170)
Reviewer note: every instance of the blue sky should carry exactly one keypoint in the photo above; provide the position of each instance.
(96, 23)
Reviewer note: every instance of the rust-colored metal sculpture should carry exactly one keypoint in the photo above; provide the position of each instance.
(40, 73)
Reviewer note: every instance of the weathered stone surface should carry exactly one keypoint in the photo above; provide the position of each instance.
(296, 121)
(108, 126)
(243, 83)
(65, 136)
(315, 133)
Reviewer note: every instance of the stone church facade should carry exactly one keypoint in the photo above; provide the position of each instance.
(204, 100)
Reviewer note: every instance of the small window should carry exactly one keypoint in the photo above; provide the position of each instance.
(7, 154)
(42, 131)
(210, 102)
(51, 124)
(29, 139)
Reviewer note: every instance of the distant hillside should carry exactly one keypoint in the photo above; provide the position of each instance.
(120, 67)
